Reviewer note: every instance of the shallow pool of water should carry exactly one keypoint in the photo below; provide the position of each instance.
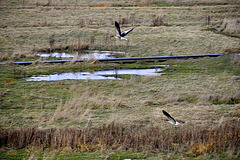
(106, 74)
(86, 55)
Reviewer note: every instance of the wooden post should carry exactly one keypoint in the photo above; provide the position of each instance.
(208, 20)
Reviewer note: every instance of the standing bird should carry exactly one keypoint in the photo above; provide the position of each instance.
(120, 35)
(171, 119)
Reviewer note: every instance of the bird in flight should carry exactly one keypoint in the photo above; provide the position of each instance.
(120, 35)
(171, 119)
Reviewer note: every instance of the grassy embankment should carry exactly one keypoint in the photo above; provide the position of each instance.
(204, 92)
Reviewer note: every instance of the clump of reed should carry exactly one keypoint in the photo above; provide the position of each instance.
(64, 45)
(189, 139)
(77, 44)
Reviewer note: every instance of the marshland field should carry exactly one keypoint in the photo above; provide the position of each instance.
(120, 118)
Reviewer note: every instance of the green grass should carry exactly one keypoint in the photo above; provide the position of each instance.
(25, 154)
(213, 66)
(21, 154)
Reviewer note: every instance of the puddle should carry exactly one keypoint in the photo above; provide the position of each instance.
(106, 74)
(86, 55)
(56, 55)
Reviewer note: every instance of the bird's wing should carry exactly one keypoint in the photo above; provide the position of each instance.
(117, 28)
(169, 117)
(126, 32)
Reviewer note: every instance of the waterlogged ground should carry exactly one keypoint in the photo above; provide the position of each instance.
(188, 86)
(85, 55)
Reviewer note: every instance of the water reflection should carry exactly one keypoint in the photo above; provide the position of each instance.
(106, 74)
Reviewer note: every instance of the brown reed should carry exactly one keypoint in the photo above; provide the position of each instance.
(189, 139)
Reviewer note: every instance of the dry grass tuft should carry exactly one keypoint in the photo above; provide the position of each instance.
(146, 79)
(21, 53)
(230, 49)
(100, 5)
(237, 107)
(78, 46)
(230, 25)
(158, 21)
(236, 60)
(217, 99)
(79, 105)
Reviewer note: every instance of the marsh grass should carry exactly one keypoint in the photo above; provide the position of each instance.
(87, 115)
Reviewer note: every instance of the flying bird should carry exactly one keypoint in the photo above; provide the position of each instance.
(171, 119)
(120, 35)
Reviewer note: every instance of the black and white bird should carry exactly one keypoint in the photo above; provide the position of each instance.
(171, 119)
(120, 35)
